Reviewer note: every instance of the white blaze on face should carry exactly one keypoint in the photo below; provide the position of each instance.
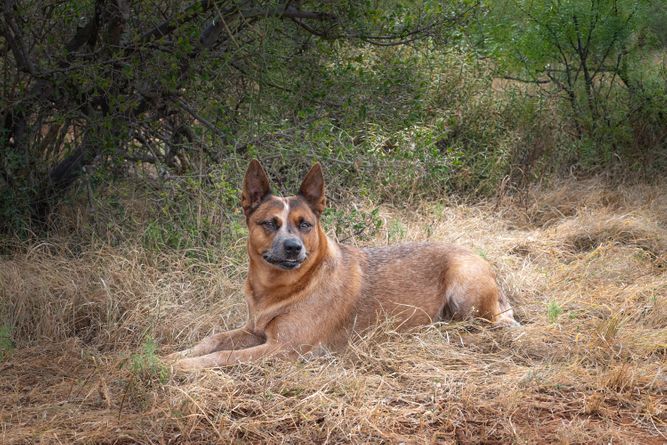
(284, 214)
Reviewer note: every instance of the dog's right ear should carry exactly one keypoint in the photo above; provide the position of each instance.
(255, 187)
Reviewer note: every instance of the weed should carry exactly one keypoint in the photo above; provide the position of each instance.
(146, 365)
(396, 231)
(6, 343)
(554, 310)
(352, 223)
(481, 252)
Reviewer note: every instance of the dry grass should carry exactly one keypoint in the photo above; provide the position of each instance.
(585, 265)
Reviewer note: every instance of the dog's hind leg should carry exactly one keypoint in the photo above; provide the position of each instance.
(472, 291)
(225, 341)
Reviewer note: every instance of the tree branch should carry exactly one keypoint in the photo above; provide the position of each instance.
(188, 109)
(289, 12)
(14, 36)
(169, 26)
(87, 33)
(534, 81)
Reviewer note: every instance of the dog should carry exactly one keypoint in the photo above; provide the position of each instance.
(305, 292)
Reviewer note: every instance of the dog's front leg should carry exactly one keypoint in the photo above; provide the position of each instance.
(230, 340)
(227, 358)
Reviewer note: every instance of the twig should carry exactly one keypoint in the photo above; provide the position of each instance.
(187, 108)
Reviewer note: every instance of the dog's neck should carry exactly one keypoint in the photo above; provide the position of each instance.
(266, 282)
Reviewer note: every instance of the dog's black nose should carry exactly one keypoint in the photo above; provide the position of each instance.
(292, 246)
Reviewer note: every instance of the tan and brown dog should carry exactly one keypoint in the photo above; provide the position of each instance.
(306, 292)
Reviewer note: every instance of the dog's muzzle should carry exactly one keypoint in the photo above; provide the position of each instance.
(287, 253)
(282, 262)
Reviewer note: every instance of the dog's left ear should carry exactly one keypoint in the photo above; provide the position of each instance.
(312, 189)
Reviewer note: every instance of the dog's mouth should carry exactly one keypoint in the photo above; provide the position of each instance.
(283, 263)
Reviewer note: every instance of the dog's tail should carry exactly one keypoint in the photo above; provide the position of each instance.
(506, 315)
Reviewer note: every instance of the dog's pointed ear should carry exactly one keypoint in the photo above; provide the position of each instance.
(312, 189)
(255, 187)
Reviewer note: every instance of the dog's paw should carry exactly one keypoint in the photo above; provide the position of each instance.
(186, 365)
(174, 357)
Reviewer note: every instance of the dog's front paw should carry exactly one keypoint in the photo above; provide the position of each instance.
(174, 357)
(186, 365)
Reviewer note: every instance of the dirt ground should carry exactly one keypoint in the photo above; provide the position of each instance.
(585, 266)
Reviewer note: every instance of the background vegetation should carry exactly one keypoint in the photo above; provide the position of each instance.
(531, 132)
(415, 99)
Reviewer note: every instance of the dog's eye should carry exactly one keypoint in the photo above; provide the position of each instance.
(269, 224)
(305, 225)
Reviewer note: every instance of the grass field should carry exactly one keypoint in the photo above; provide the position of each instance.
(584, 264)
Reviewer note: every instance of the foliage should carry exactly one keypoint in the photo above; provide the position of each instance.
(554, 310)
(147, 365)
(599, 56)
(6, 343)
(112, 85)
(401, 101)
(355, 223)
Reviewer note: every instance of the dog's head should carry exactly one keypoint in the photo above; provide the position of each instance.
(283, 232)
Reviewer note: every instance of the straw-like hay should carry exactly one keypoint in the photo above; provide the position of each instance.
(584, 265)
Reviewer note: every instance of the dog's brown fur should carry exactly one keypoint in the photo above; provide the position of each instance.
(297, 305)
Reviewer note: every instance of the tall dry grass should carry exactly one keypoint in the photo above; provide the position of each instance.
(584, 264)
